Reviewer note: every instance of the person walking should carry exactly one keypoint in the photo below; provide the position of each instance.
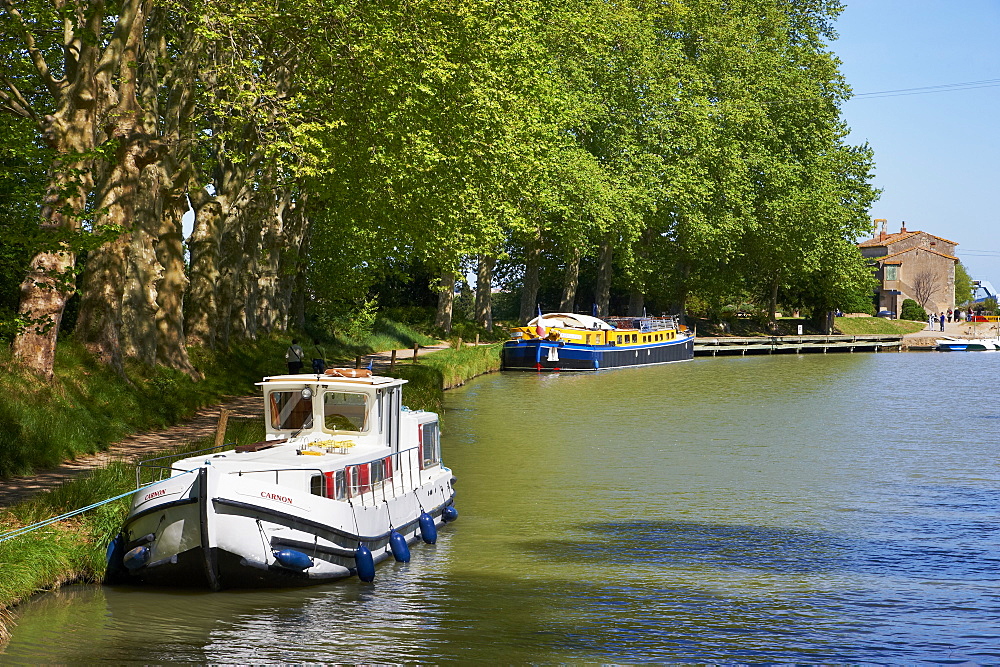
(294, 356)
(319, 358)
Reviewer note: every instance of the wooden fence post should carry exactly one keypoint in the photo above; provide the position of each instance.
(220, 429)
(392, 361)
(416, 348)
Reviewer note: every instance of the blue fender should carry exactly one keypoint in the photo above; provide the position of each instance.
(400, 549)
(136, 557)
(428, 531)
(293, 560)
(365, 563)
(449, 513)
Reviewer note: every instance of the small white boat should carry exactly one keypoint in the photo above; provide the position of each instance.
(347, 477)
(952, 344)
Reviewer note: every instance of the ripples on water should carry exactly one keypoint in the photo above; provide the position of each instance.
(838, 508)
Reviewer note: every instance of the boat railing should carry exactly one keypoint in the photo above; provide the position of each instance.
(400, 480)
(644, 324)
(158, 471)
(373, 486)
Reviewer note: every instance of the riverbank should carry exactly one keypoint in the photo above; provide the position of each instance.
(73, 551)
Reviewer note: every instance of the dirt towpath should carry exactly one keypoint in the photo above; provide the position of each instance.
(139, 446)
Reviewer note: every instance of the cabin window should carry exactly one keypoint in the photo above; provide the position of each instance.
(619, 339)
(316, 485)
(588, 339)
(430, 445)
(290, 411)
(635, 338)
(378, 471)
(345, 411)
(359, 479)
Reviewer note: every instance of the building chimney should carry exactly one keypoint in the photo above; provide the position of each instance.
(902, 228)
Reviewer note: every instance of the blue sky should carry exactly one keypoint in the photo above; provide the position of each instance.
(937, 154)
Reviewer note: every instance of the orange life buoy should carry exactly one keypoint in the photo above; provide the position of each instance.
(349, 372)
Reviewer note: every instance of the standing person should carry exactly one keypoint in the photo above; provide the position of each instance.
(941, 317)
(930, 321)
(319, 357)
(294, 356)
(949, 314)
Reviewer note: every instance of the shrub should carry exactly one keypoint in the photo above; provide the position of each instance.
(912, 311)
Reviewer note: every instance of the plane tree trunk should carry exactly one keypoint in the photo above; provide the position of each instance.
(446, 301)
(484, 292)
(571, 281)
(602, 293)
(532, 281)
(78, 99)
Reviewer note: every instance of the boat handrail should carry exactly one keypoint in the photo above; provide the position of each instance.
(644, 323)
(144, 464)
(371, 487)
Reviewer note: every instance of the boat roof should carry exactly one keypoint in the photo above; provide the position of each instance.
(570, 321)
(330, 380)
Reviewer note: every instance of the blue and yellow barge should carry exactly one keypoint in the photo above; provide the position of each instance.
(571, 342)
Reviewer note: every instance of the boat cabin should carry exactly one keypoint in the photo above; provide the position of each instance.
(365, 410)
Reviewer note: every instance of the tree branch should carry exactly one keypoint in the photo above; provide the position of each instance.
(14, 101)
(33, 51)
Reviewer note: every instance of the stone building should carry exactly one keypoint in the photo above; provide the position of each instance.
(912, 265)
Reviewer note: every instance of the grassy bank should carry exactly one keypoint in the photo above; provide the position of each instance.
(73, 550)
(88, 406)
(875, 326)
(444, 369)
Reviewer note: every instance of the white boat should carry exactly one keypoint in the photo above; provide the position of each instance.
(952, 344)
(347, 477)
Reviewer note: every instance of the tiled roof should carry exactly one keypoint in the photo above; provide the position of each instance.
(895, 238)
(903, 252)
(889, 238)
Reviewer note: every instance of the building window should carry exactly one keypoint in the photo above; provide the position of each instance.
(892, 273)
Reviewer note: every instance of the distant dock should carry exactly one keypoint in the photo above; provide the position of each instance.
(730, 345)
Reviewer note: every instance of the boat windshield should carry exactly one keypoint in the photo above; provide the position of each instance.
(345, 411)
(290, 411)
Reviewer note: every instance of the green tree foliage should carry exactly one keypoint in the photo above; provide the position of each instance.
(618, 154)
(963, 284)
(911, 310)
(22, 183)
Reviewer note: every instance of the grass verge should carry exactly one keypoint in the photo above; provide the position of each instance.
(874, 326)
(386, 334)
(73, 550)
(88, 406)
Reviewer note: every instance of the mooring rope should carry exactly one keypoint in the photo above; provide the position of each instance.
(17, 532)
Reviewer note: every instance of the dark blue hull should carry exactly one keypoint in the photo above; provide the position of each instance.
(546, 355)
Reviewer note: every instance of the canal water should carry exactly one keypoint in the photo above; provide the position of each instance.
(835, 508)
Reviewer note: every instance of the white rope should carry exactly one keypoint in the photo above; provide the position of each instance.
(17, 532)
